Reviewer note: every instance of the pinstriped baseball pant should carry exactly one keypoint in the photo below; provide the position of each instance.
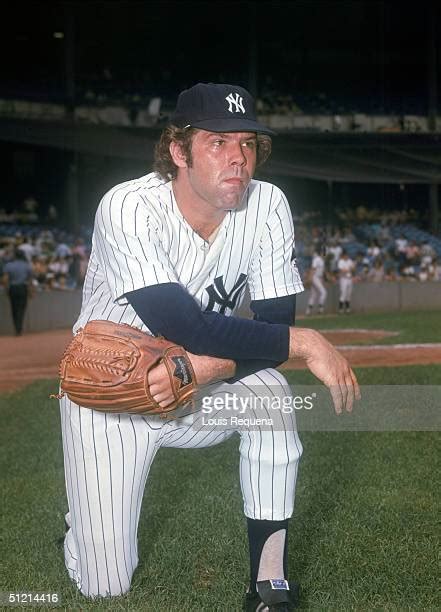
(107, 458)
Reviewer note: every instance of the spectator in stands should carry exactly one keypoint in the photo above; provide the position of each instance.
(400, 248)
(8, 251)
(57, 267)
(60, 283)
(79, 248)
(423, 274)
(412, 253)
(407, 272)
(81, 257)
(390, 266)
(28, 248)
(376, 274)
(373, 251)
(361, 267)
(427, 252)
(335, 249)
(39, 272)
(329, 274)
(435, 270)
(383, 235)
(359, 264)
(62, 250)
(17, 278)
(347, 235)
(45, 242)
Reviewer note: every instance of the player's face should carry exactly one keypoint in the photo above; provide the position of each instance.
(222, 166)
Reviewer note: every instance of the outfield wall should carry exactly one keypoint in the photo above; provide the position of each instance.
(59, 309)
(46, 310)
(380, 297)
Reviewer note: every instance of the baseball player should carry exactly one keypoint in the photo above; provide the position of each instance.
(318, 292)
(346, 268)
(172, 253)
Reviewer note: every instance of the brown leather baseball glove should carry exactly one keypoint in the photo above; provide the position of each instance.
(105, 367)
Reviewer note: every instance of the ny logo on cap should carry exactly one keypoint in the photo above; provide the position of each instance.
(237, 101)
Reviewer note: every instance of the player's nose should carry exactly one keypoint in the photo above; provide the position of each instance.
(237, 155)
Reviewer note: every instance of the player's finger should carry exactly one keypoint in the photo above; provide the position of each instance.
(357, 390)
(151, 379)
(154, 376)
(343, 393)
(336, 398)
(166, 402)
(350, 394)
(155, 389)
(163, 399)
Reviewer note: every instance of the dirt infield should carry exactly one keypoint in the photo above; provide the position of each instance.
(35, 356)
(31, 357)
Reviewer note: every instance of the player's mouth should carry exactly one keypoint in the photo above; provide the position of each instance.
(234, 181)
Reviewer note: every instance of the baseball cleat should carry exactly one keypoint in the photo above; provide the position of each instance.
(273, 595)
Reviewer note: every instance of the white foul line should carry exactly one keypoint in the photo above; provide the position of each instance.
(385, 347)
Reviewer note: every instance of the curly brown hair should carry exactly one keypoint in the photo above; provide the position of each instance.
(164, 164)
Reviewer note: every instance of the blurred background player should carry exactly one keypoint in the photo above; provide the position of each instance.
(318, 292)
(345, 280)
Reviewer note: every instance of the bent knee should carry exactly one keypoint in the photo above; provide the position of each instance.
(96, 578)
(94, 590)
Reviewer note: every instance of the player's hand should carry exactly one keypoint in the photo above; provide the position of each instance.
(160, 386)
(206, 369)
(327, 364)
(159, 381)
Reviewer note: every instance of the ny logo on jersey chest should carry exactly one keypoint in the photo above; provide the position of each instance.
(236, 101)
(217, 294)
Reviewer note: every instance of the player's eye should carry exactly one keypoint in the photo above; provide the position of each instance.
(218, 142)
(249, 144)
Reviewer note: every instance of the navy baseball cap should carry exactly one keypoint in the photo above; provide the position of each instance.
(217, 108)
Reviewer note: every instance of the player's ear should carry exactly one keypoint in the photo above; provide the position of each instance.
(177, 154)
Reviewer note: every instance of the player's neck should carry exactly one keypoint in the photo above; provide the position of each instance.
(201, 218)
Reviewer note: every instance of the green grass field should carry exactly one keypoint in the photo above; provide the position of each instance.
(416, 326)
(365, 535)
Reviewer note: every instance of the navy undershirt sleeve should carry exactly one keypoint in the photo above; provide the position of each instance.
(275, 310)
(170, 311)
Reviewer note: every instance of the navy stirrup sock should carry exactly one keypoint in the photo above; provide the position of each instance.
(258, 533)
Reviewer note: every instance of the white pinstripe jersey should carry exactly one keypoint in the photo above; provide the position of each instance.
(141, 238)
